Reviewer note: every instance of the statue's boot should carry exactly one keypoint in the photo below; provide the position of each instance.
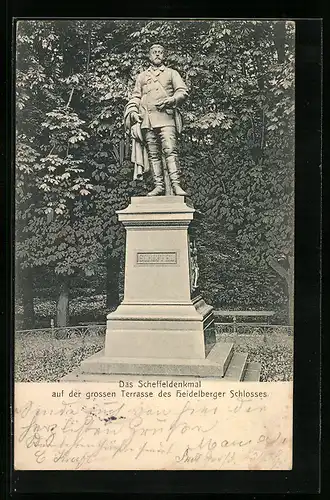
(173, 172)
(157, 171)
(157, 191)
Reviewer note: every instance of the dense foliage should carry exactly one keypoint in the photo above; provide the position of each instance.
(72, 158)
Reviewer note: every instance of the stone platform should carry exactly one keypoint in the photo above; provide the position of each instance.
(227, 366)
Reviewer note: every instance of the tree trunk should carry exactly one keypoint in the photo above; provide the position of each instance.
(27, 298)
(288, 276)
(112, 282)
(62, 319)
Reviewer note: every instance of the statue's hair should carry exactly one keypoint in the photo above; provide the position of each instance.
(156, 45)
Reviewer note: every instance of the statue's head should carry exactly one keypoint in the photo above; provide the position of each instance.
(156, 54)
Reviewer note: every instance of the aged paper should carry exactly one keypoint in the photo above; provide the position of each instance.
(154, 191)
(158, 424)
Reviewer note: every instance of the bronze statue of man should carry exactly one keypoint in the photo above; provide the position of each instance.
(153, 118)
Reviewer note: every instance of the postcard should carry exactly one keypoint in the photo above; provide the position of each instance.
(154, 244)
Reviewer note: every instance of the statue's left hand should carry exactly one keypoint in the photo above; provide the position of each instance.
(168, 102)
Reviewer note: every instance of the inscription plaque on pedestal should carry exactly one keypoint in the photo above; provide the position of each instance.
(156, 258)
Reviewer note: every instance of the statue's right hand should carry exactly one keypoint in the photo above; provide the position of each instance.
(135, 117)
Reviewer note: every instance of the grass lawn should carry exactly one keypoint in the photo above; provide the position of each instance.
(46, 359)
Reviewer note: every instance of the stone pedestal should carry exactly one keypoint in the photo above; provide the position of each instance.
(160, 328)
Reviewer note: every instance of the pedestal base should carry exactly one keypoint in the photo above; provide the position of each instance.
(222, 363)
(215, 365)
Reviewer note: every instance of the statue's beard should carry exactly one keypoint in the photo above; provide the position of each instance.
(157, 61)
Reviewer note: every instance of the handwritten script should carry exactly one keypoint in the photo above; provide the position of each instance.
(119, 433)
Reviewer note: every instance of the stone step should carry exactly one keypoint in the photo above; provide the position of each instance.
(252, 372)
(236, 367)
(221, 353)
